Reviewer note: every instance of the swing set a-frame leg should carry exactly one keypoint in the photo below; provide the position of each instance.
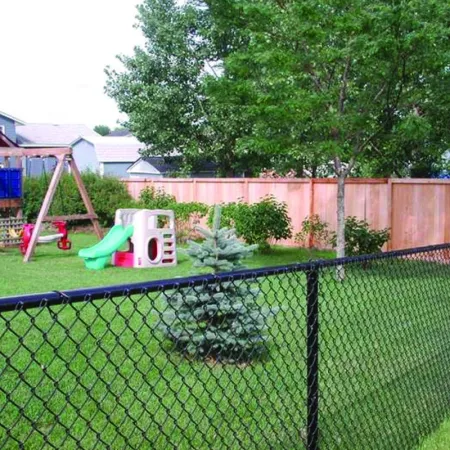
(42, 217)
(85, 196)
(45, 207)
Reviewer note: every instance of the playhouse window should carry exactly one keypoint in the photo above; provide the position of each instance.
(3, 129)
(158, 222)
(152, 249)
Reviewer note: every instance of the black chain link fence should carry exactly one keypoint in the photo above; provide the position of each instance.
(354, 364)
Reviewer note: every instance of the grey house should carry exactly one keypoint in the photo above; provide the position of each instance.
(107, 155)
(159, 167)
(8, 126)
(48, 135)
(115, 155)
(21, 133)
(8, 133)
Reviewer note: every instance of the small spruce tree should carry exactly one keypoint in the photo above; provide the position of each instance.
(219, 320)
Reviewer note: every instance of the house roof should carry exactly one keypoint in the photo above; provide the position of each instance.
(153, 165)
(120, 132)
(158, 164)
(6, 142)
(162, 165)
(52, 134)
(114, 149)
(14, 119)
(143, 166)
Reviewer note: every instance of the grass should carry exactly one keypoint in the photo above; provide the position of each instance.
(440, 440)
(52, 269)
(385, 354)
(104, 377)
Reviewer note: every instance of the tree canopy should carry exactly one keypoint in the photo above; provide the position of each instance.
(291, 85)
(325, 81)
(319, 86)
(102, 130)
(162, 89)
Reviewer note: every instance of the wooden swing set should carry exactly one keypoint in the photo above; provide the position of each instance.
(63, 156)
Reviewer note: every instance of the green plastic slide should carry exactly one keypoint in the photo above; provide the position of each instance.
(97, 256)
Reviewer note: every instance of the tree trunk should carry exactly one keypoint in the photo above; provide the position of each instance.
(340, 238)
(340, 233)
(299, 169)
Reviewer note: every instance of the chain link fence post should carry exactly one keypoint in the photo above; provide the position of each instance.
(312, 343)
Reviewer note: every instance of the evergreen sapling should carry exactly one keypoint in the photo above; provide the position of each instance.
(221, 320)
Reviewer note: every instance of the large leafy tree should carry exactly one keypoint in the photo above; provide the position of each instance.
(162, 88)
(334, 82)
(415, 145)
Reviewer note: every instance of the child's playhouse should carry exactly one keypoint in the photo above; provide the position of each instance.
(151, 241)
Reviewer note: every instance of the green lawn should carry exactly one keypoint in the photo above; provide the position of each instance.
(440, 440)
(52, 269)
(106, 378)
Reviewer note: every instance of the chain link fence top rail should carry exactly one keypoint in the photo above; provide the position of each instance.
(354, 364)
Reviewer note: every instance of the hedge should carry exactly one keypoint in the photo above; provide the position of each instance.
(107, 194)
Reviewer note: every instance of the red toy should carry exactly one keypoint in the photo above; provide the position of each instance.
(62, 237)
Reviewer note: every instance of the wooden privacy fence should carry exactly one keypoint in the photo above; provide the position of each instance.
(416, 210)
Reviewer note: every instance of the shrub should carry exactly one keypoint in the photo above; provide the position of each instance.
(107, 194)
(187, 215)
(315, 227)
(360, 239)
(258, 223)
(222, 320)
(34, 190)
(151, 198)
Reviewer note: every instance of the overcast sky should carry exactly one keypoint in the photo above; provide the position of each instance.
(53, 54)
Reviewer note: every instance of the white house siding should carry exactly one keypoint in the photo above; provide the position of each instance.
(137, 175)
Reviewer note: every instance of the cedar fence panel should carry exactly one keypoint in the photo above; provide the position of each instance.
(416, 210)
